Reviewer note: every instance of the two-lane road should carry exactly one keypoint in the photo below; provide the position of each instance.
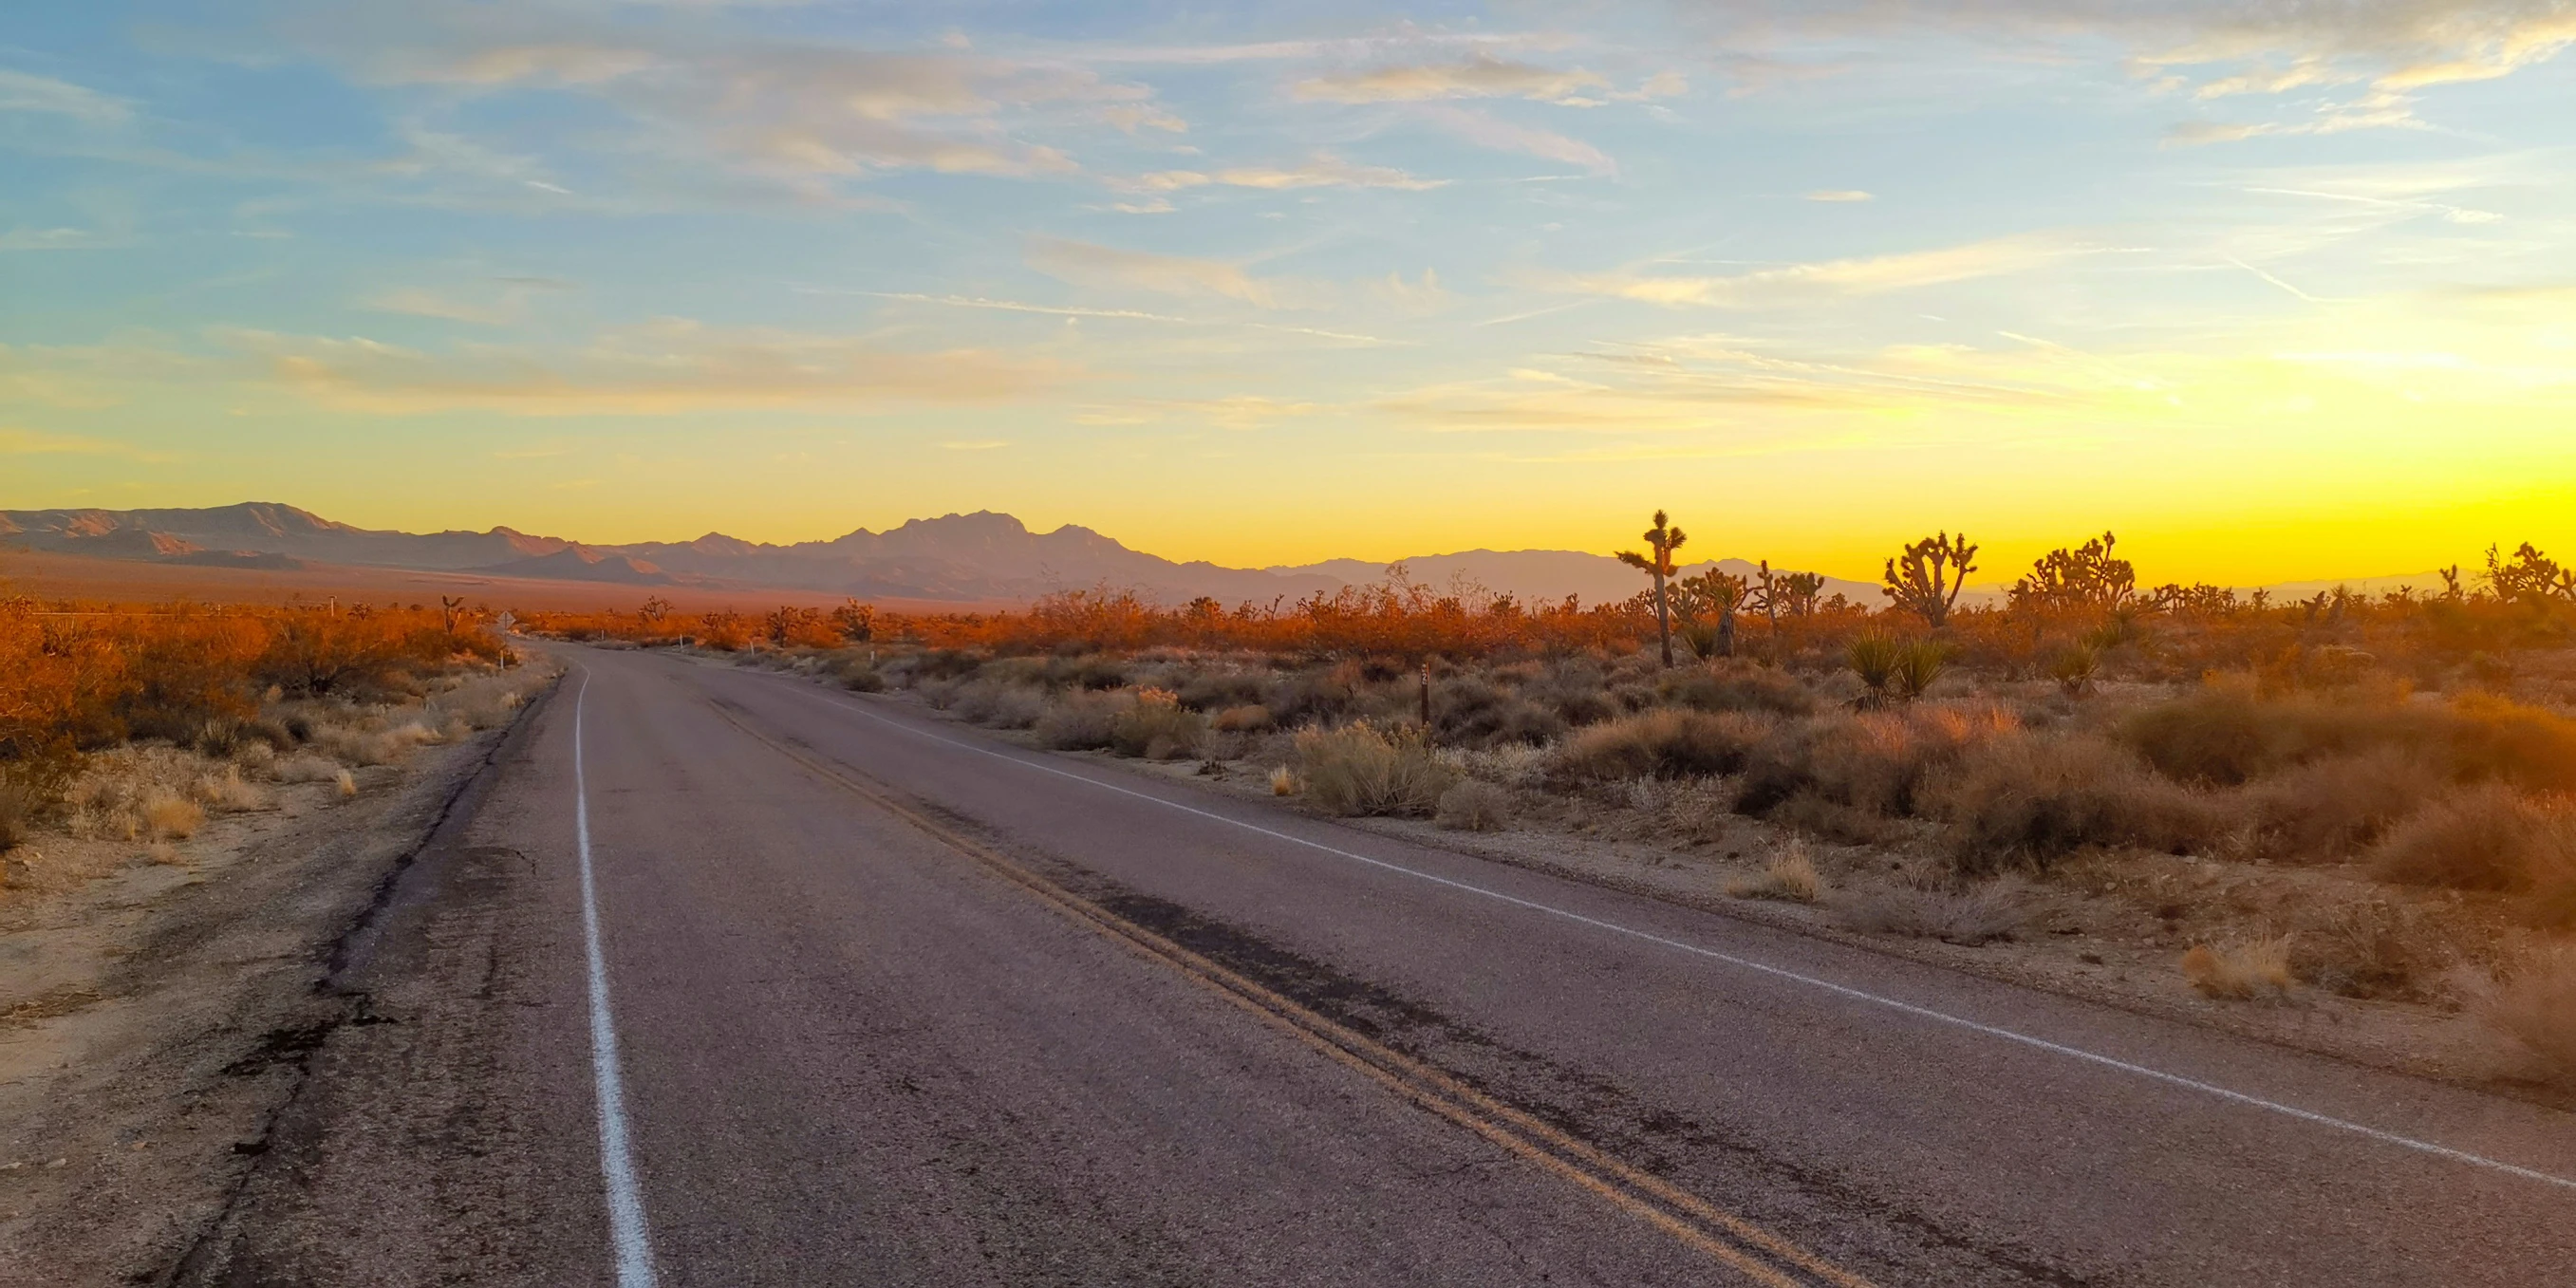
(822, 991)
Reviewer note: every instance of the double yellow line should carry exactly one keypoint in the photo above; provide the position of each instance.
(1754, 1252)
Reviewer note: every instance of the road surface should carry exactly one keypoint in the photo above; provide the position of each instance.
(733, 979)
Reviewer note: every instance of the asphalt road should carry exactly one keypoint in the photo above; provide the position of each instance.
(840, 994)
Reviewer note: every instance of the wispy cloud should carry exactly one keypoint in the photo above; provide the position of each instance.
(796, 111)
(28, 442)
(1486, 130)
(1841, 195)
(1862, 276)
(57, 239)
(1480, 76)
(25, 92)
(1125, 315)
(665, 367)
(1323, 170)
(1090, 264)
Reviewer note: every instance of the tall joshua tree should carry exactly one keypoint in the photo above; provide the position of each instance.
(1663, 539)
(1928, 576)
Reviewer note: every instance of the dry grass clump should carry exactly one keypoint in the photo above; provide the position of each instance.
(2370, 950)
(1251, 717)
(2334, 808)
(1283, 781)
(2031, 799)
(1662, 743)
(2230, 731)
(376, 740)
(1978, 914)
(1157, 727)
(1790, 875)
(2536, 1006)
(999, 704)
(168, 816)
(345, 783)
(2487, 837)
(1875, 762)
(1360, 769)
(1736, 685)
(228, 793)
(1474, 805)
(20, 803)
(151, 793)
(1474, 711)
(1082, 721)
(304, 768)
(2260, 968)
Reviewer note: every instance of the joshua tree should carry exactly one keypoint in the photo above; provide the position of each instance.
(1798, 591)
(1712, 595)
(1928, 576)
(1663, 539)
(450, 607)
(2083, 577)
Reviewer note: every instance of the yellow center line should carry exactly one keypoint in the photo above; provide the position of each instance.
(1741, 1244)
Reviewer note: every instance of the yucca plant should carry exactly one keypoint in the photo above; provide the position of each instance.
(2075, 667)
(1875, 658)
(1918, 664)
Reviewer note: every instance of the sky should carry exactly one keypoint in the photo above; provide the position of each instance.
(2274, 290)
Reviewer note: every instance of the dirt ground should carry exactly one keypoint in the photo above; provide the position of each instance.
(157, 1001)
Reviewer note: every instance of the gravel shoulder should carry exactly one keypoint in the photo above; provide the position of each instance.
(155, 1020)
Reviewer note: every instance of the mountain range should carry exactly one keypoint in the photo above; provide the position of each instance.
(981, 557)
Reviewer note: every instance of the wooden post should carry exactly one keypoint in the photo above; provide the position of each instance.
(1426, 695)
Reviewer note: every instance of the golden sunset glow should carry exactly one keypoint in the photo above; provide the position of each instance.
(2275, 301)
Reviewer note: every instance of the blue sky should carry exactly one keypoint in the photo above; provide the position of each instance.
(2277, 290)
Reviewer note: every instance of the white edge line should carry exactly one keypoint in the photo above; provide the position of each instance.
(1844, 990)
(616, 1159)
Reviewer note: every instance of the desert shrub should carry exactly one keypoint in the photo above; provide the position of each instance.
(2369, 950)
(1283, 781)
(1876, 762)
(859, 677)
(942, 664)
(1311, 697)
(2493, 738)
(1359, 769)
(2034, 798)
(170, 816)
(1665, 742)
(1575, 689)
(1081, 721)
(1156, 726)
(1976, 915)
(1474, 805)
(1736, 686)
(1468, 710)
(2536, 1006)
(2484, 837)
(1222, 690)
(1790, 875)
(18, 807)
(998, 703)
(2229, 732)
(1248, 718)
(2334, 808)
(2256, 969)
